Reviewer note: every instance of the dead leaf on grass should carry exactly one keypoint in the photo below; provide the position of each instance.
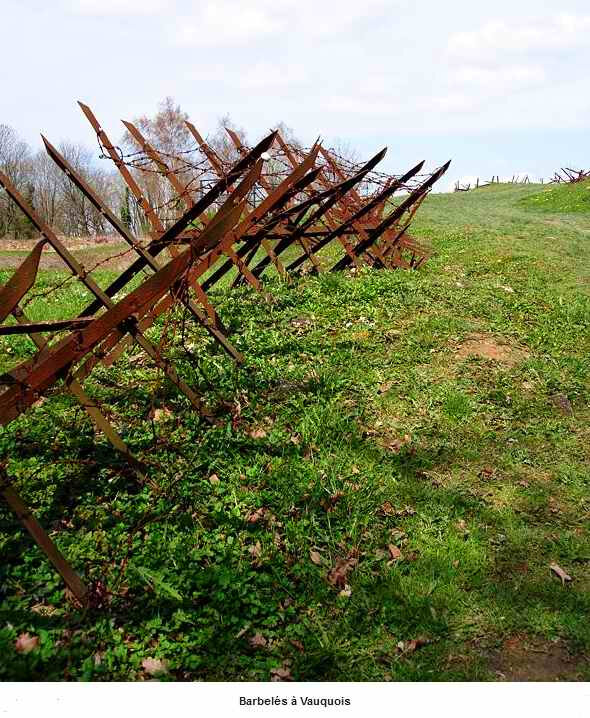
(160, 414)
(257, 641)
(315, 557)
(394, 552)
(26, 643)
(155, 666)
(214, 479)
(253, 517)
(411, 645)
(385, 387)
(258, 433)
(558, 571)
(330, 504)
(281, 674)
(396, 445)
(387, 509)
(337, 576)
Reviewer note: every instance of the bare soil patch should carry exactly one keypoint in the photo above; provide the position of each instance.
(522, 658)
(486, 346)
(107, 252)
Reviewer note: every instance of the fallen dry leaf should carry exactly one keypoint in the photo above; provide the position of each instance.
(411, 645)
(337, 575)
(330, 504)
(257, 433)
(315, 557)
(26, 643)
(281, 674)
(560, 572)
(254, 517)
(257, 641)
(255, 550)
(387, 509)
(298, 645)
(394, 552)
(397, 444)
(155, 666)
(161, 414)
(214, 479)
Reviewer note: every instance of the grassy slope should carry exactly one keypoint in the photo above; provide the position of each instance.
(356, 395)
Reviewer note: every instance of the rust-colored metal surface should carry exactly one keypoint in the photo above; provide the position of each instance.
(277, 206)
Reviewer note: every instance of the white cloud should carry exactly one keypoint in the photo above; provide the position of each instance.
(227, 22)
(561, 32)
(501, 79)
(223, 22)
(117, 7)
(265, 75)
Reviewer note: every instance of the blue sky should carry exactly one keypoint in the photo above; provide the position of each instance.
(501, 88)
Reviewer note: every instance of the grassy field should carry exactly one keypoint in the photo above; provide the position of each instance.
(393, 473)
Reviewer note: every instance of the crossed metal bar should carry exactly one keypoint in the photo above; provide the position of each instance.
(304, 208)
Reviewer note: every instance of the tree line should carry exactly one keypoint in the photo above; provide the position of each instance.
(53, 195)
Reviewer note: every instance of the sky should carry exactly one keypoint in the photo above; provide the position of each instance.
(500, 88)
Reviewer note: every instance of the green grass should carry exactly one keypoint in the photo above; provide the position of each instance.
(562, 198)
(372, 429)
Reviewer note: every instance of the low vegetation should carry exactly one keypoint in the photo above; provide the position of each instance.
(397, 487)
(573, 197)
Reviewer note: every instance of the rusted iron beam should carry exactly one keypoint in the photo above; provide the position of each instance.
(21, 281)
(250, 244)
(366, 209)
(210, 320)
(41, 538)
(329, 217)
(272, 255)
(102, 299)
(273, 195)
(47, 369)
(76, 390)
(169, 236)
(396, 214)
(272, 202)
(183, 193)
(326, 200)
(126, 235)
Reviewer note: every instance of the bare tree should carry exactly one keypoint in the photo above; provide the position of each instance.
(15, 162)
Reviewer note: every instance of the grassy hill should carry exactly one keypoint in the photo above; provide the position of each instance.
(394, 472)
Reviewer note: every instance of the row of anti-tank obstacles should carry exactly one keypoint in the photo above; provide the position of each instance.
(275, 197)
